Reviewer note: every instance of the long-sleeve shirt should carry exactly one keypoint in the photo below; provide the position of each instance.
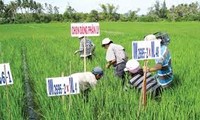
(116, 52)
(89, 47)
(165, 75)
(137, 81)
(86, 80)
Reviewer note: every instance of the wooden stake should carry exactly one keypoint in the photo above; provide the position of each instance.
(70, 70)
(63, 97)
(144, 96)
(70, 67)
(84, 54)
(1, 53)
(8, 105)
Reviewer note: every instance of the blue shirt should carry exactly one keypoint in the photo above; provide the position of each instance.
(165, 75)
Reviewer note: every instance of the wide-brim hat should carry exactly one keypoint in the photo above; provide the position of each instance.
(80, 36)
(150, 37)
(132, 66)
(106, 41)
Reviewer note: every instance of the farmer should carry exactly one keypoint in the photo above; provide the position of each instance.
(163, 66)
(88, 80)
(90, 47)
(136, 76)
(116, 57)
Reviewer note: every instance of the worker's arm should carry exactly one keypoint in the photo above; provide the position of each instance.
(152, 69)
(81, 47)
(112, 62)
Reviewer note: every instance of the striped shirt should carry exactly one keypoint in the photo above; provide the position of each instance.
(137, 82)
(165, 75)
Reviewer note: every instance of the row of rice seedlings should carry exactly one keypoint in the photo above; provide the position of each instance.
(109, 99)
(11, 106)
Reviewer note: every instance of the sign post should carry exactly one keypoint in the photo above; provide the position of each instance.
(144, 50)
(6, 76)
(62, 86)
(144, 95)
(84, 54)
(85, 29)
(5, 80)
(63, 98)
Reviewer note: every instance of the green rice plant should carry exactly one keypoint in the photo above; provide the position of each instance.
(50, 51)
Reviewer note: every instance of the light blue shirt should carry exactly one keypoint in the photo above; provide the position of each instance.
(165, 75)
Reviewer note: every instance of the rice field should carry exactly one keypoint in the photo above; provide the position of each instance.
(49, 50)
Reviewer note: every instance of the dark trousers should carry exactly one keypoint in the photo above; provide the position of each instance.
(119, 72)
(88, 57)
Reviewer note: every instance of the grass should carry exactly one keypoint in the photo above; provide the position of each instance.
(50, 51)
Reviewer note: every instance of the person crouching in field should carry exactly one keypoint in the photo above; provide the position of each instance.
(163, 65)
(136, 77)
(88, 80)
(90, 47)
(116, 57)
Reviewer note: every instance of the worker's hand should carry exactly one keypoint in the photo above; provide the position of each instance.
(145, 69)
(76, 52)
(107, 65)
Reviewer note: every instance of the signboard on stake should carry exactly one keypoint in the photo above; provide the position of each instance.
(62, 86)
(143, 50)
(85, 29)
(6, 76)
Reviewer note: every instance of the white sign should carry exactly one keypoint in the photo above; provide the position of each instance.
(5, 74)
(62, 86)
(142, 50)
(85, 29)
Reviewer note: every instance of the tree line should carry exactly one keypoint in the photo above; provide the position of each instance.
(29, 11)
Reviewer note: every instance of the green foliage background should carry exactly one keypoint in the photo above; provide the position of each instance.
(50, 51)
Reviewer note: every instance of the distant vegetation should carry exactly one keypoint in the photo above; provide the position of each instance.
(29, 11)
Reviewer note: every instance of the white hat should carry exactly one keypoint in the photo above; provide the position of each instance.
(150, 37)
(106, 41)
(132, 66)
(80, 36)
